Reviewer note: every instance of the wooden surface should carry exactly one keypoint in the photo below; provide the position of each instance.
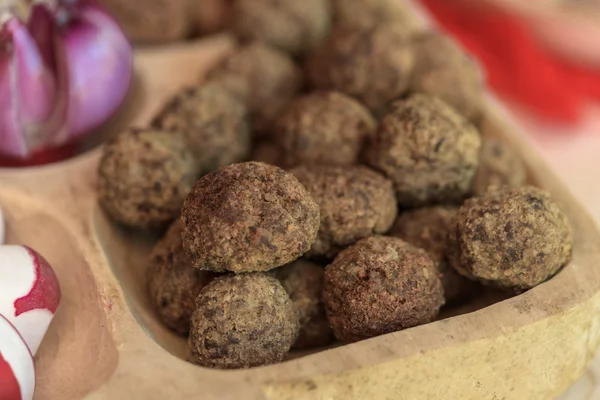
(571, 151)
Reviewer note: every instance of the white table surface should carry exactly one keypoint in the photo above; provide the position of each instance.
(573, 152)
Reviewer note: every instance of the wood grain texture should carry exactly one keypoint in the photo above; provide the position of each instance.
(532, 346)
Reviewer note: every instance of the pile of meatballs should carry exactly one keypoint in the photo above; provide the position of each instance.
(327, 181)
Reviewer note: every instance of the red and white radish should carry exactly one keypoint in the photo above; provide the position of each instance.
(17, 373)
(29, 293)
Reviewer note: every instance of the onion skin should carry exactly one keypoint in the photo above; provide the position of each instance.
(99, 61)
(61, 77)
(44, 29)
(27, 91)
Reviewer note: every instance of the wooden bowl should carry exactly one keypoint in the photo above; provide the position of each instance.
(105, 341)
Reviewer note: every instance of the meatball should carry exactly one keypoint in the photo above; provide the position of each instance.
(248, 217)
(264, 78)
(355, 202)
(242, 321)
(292, 26)
(498, 167)
(303, 281)
(172, 282)
(444, 70)
(213, 122)
(266, 152)
(428, 150)
(511, 238)
(209, 16)
(370, 13)
(428, 228)
(153, 21)
(144, 176)
(323, 128)
(372, 65)
(380, 285)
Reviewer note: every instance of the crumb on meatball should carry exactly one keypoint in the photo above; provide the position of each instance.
(209, 16)
(262, 77)
(370, 13)
(293, 26)
(372, 65)
(510, 238)
(498, 167)
(444, 70)
(427, 228)
(266, 151)
(380, 285)
(144, 176)
(213, 122)
(427, 149)
(323, 128)
(242, 321)
(172, 281)
(303, 281)
(140, 23)
(355, 202)
(248, 217)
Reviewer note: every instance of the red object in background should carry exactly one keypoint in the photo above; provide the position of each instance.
(45, 157)
(518, 66)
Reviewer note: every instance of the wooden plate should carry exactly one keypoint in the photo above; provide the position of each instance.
(106, 343)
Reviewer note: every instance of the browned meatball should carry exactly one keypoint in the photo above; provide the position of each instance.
(444, 70)
(172, 281)
(267, 152)
(355, 202)
(428, 150)
(510, 238)
(380, 285)
(323, 128)
(303, 280)
(209, 16)
(144, 176)
(242, 321)
(292, 26)
(248, 217)
(152, 21)
(428, 228)
(373, 12)
(264, 78)
(499, 167)
(372, 65)
(214, 123)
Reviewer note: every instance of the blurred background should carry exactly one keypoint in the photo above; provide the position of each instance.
(542, 59)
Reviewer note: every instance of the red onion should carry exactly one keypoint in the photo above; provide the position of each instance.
(63, 77)
(27, 90)
(99, 62)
